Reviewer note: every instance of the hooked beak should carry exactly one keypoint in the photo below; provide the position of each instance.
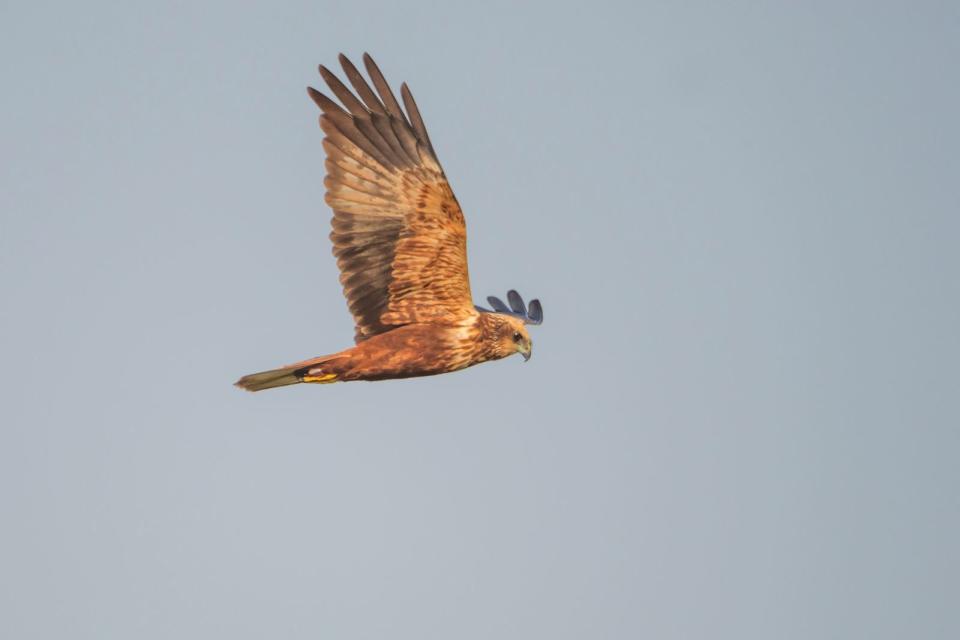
(526, 350)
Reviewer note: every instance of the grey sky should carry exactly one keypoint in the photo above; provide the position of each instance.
(741, 415)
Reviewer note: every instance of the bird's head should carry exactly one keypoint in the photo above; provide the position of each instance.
(506, 326)
(512, 337)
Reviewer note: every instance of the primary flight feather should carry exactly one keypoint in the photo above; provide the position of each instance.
(400, 241)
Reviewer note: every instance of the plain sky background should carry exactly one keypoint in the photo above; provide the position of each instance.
(741, 419)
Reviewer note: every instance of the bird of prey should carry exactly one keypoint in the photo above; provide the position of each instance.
(400, 241)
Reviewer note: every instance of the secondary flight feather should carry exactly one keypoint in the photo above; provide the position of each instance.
(400, 240)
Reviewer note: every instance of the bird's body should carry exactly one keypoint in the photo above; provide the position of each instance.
(419, 349)
(399, 237)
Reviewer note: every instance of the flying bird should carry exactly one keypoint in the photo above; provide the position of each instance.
(400, 241)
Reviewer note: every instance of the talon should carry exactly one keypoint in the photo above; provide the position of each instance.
(321, 379)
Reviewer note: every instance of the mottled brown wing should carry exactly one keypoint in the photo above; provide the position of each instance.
(398, 232)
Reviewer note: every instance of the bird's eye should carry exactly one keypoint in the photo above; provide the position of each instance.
(517, 337)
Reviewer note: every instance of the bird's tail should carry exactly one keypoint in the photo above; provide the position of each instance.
(306, 371)
(269, 379)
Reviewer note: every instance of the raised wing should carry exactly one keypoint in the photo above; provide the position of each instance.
(398, 232)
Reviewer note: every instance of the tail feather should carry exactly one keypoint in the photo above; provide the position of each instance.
(306, 371)
(269, 379)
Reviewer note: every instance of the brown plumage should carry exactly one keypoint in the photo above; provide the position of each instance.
(400, 240)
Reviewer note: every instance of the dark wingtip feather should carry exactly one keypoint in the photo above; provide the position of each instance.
(325, 73)
(516, 303)
(363, 89)
(350, 101)
(383, 88)
(315, 95)
(530, 315)
(535, 312)
(497, 304)
(416, 120)
(326, 104)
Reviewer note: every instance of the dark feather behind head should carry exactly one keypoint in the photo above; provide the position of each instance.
(532, 314)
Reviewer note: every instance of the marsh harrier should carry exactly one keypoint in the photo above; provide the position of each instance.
(401, 245)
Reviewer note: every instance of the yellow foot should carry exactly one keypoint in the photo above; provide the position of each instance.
(325, 378)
